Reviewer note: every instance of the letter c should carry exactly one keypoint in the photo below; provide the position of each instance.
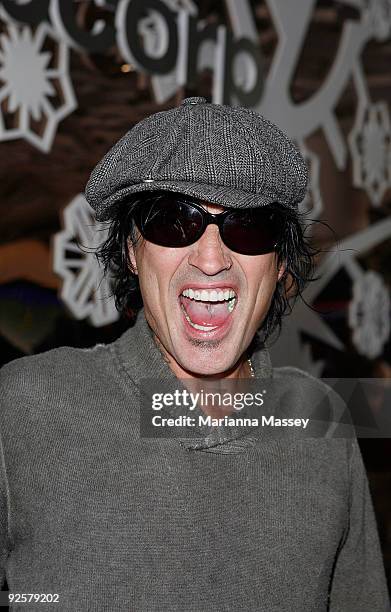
(62, 14)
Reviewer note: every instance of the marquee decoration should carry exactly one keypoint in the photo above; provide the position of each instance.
(171, 45)
(165, 39)
(27, 106)
(85, 290)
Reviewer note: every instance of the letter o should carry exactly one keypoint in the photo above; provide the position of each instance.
(128, 16)
(248, 87)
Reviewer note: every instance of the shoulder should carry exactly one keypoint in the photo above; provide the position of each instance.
(54, 365)
(37, 386)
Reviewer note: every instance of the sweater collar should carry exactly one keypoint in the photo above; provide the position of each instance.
(142, 359)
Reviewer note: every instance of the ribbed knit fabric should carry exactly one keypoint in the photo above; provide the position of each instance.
(111, 521)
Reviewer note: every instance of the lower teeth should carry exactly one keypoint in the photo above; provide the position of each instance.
(199, 327)
(230, 307)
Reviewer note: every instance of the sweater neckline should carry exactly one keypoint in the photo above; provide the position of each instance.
(141, 358)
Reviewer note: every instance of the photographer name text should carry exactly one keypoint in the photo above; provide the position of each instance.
(226, 421)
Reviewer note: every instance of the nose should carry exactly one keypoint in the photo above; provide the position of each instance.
(209, 254)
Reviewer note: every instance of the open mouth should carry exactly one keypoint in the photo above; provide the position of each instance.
(207, 310)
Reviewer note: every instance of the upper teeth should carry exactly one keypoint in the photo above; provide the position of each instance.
(213, 295)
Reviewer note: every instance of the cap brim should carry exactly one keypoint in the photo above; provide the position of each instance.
(215, 194)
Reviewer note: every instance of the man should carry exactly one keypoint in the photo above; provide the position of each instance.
(202, 203)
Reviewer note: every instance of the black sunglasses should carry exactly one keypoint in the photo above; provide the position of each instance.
(175, 220)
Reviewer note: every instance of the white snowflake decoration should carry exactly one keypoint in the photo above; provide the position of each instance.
(29, 81)
(86, 291)
(369, 314)
(371, 151)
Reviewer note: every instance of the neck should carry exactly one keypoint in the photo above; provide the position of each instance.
(230, 380)
(242, 369)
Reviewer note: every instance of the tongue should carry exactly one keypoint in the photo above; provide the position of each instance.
(205, 314)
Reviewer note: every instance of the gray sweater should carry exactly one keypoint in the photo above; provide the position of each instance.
(112, 521)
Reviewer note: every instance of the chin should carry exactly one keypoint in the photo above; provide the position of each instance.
(207, 364)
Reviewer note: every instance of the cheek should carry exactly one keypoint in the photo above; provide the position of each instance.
(156, 267)
(263, 274)
(263, 282)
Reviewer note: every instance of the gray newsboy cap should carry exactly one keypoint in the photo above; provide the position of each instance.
(224, 155)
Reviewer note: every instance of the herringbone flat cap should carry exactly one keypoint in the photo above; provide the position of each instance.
(224, 155)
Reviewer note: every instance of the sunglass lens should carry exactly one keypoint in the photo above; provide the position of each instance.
(170, 223)
(252, 231)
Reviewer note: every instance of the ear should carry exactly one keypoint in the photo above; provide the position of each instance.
(132, 257)
(281, 271)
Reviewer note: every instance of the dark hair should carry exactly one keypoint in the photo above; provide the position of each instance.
(294, 251)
